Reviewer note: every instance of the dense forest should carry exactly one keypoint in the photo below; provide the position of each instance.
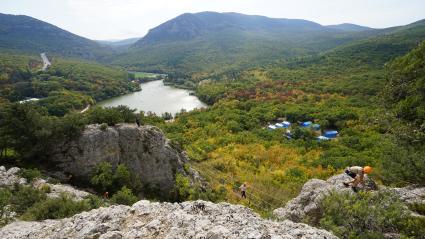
(67, 85)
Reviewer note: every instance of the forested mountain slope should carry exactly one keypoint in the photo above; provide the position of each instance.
(210, 41)
(28, 35)
(67, 84)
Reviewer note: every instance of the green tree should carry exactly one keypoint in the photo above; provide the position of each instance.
(103, 177)
(124, 196)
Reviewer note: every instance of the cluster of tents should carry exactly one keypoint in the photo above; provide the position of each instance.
(326, 135)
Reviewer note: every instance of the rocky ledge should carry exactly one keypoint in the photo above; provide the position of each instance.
(11, 177)
(307, 203)
(146, 219)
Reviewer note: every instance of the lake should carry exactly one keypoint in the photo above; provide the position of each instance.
(158, 98)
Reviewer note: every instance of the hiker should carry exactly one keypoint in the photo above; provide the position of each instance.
(357, 173)
(138, 121)
(243, 190)
(106, 195)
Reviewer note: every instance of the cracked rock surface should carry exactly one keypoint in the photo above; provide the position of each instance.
(145, 150)
(198, 219)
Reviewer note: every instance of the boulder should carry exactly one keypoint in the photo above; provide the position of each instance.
(145, 150)
(146, 219)
(10, 177)
(56, 190)
(307, 203)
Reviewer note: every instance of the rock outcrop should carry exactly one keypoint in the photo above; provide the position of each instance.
(164, 220)
(10, 177)
(307, 203)
(145, 150)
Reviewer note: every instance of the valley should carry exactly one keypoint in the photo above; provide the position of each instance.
(234, 75)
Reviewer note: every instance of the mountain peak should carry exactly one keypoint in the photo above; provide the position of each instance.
(191, 25)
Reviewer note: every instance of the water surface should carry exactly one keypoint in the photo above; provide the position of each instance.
(158, 98)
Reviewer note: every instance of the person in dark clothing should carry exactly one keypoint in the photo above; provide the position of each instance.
(243, 190)
(138, 121)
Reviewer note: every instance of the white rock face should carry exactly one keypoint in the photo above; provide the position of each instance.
(411, 194)
(165, 220)
(10, 177)
(145, 150)
(56, 190)
(308, 201)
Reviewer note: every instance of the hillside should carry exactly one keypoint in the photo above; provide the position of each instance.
(210, 41)
(25, 34)
(66, 85)
(349, 27)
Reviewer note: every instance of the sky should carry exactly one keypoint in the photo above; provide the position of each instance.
(121, 19)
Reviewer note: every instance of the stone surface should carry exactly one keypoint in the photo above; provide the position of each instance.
(10, 177)
(411, 194)
(307, 203)
(144, 150)
(56, 190)
(164, 220)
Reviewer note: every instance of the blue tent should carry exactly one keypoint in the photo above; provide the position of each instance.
(331, 134)
(306, 124)
(286, 124)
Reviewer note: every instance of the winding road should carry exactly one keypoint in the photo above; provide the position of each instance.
(46, 62)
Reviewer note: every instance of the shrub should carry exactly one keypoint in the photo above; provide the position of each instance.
(45, 188)
(5, 197)
(182, 187)
(103, 177)
(103, 126)
(124, 196)
(30, 174)
(94, 201)
(367, 215)
(24, 197)
(122, 177)
(55, 208)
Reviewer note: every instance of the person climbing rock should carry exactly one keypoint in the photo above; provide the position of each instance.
(138, 121)
(243, 190)
(357, 173)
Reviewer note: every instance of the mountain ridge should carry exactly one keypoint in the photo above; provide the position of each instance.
(25, 34)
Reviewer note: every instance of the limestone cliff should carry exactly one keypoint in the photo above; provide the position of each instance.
(164, 220)
(145, 150)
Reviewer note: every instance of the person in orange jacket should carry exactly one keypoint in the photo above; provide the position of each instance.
(357, 173)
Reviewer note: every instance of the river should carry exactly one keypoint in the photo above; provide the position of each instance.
(158, 98)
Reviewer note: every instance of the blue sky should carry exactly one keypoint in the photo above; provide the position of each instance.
(119, 19)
